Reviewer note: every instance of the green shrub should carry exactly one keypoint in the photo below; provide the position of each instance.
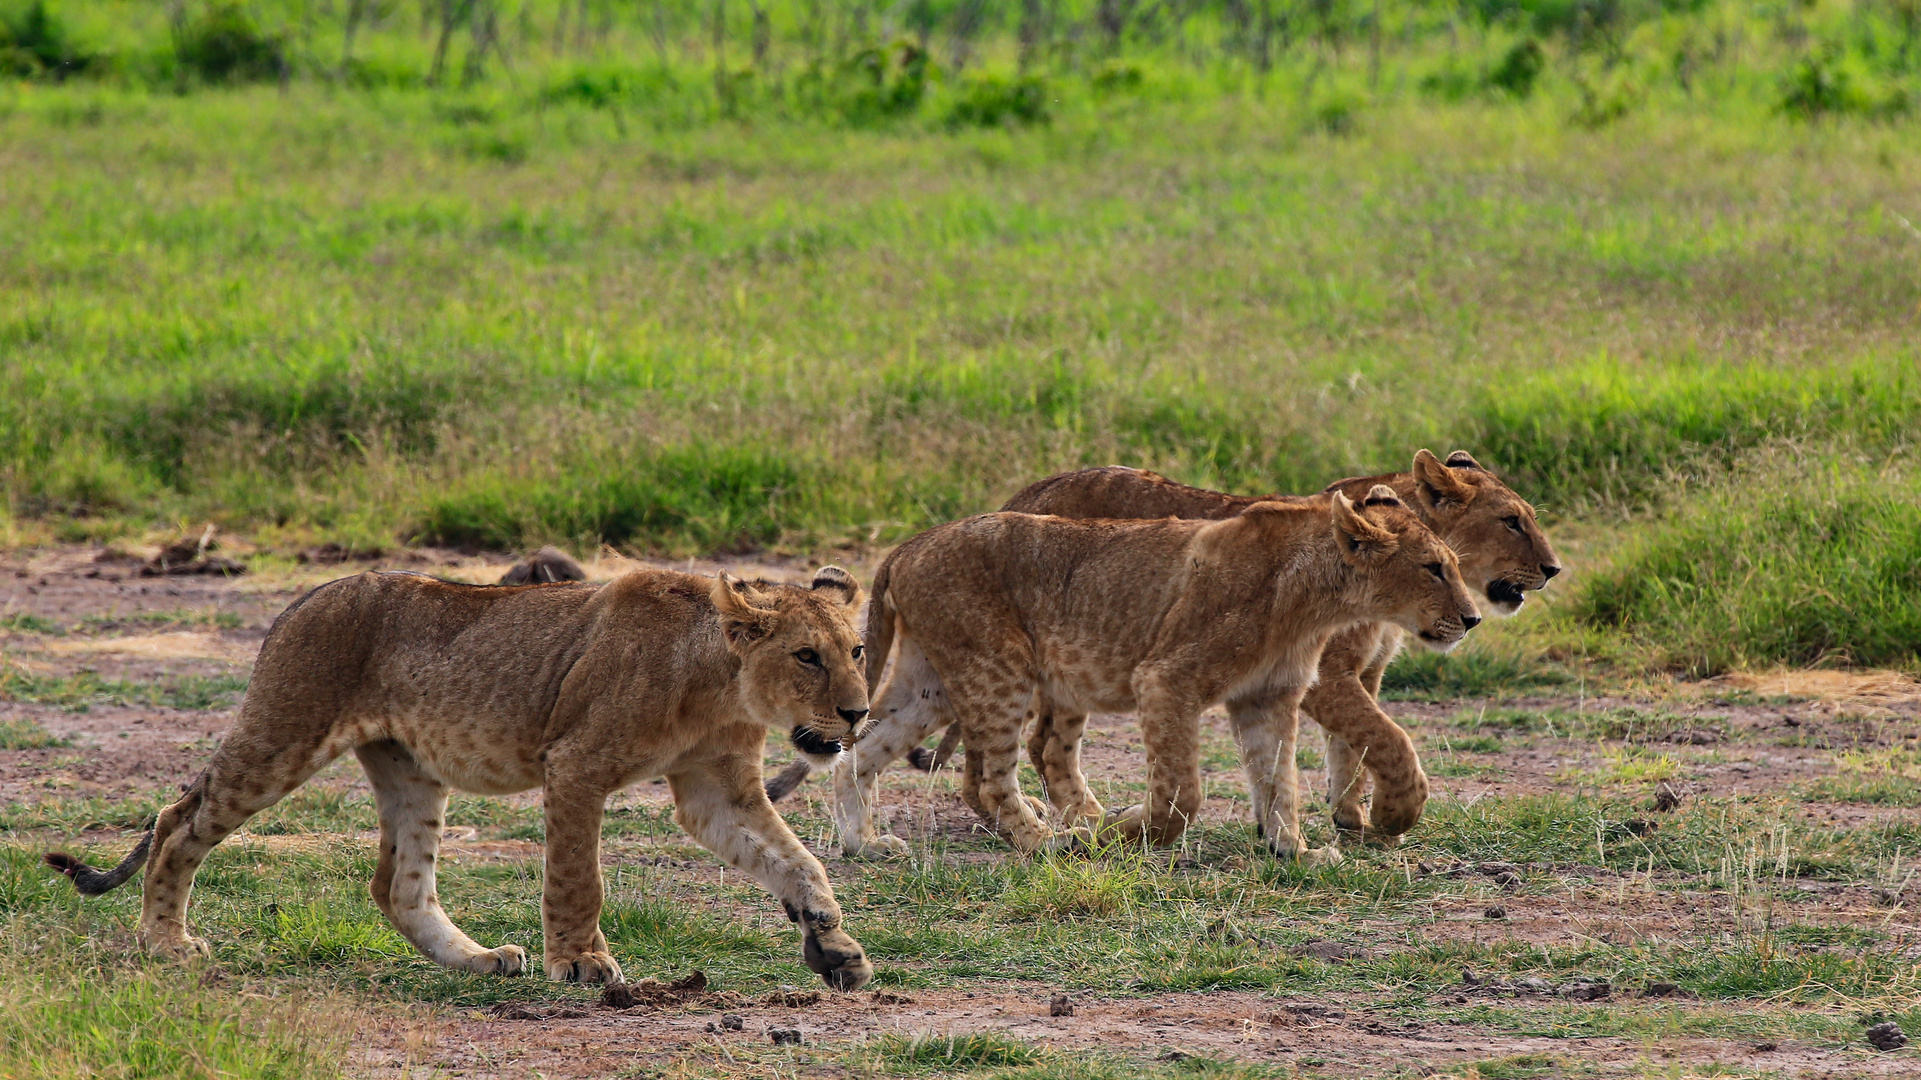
(1519, 68)
(34, 42)
(222, 44)
(708, 499)
(872, 85)
(991, 102)
(1786, 563)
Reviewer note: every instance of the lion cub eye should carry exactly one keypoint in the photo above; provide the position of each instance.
(808, 657)
(1437, 570)
(859, 652)
(1513, 522)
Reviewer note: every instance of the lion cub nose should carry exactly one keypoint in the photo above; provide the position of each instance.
(855, 716)
(1548, 570)
(1471, 621)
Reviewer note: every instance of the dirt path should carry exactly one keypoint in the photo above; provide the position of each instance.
(116, 659)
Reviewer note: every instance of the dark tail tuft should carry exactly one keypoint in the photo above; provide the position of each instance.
(783, 783)
(921, 758)
(93, 882)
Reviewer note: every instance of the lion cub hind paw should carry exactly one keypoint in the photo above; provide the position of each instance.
(588, 967)
(185, 949)
(506, 960)
(1327, 856)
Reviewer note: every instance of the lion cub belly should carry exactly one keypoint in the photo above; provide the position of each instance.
(472, 757)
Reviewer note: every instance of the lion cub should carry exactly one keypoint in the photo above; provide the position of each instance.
(1007, 614)
(579, 690)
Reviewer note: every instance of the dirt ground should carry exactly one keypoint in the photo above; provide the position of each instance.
(122, 626)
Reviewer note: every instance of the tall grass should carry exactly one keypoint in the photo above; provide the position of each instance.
(1788, 559)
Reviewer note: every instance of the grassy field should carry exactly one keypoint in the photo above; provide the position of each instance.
(582, 298)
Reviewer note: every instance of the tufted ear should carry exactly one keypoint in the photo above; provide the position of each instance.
(1461, 459)
(1436, 485)
(1359, 537)
(834, 579)
(740, 619)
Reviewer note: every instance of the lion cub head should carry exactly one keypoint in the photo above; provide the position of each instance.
(1504, 553)
(800, 656)
(1412, 578)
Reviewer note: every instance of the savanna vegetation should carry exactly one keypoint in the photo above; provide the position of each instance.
(718, 277)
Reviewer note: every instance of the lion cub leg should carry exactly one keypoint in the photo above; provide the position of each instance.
(1345, 709)
(572, 892)
(1054, 746)
(722, 805)
(991, 728)
(911, 706)
(1346, 784)
(1268, 731)
(246, 776)
(412, 809)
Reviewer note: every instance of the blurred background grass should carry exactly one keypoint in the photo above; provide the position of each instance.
(812, 276)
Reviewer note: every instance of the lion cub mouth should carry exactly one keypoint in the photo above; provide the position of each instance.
(1506, 594)
(809, 741)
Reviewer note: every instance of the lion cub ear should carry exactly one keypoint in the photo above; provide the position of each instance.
(1436, 485)
(1461, 459)
(1359, 537)
(740, 619)
(834, 579)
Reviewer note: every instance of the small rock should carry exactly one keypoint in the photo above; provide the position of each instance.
(1887, 1036)
(1765, 1048)
(1587, 991)
(1060, 1005)
(1508, 879)
(1495, 912)
(1468, 978)
(784, 1036)
(1329, 951)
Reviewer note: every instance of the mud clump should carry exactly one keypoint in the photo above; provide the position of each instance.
(652, 993)
(1060, 1005)
(785, 1036)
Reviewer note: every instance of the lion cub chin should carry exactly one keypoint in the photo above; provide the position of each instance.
(576, 689)
(1008, 614)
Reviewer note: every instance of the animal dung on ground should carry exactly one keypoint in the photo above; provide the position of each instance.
(1666, 799)
(785, 1036)
(1060, 1005)
(1495, 911)
(1887, 1036)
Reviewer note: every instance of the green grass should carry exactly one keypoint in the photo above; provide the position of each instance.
(27, 734)
(84, 689)
(69, 1008)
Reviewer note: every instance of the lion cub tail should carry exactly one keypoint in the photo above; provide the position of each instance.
(878, 638)
(92, 882)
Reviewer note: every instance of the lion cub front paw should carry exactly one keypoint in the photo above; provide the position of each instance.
(588, 967)
(837, 958)
(506, 960)
(881, 846)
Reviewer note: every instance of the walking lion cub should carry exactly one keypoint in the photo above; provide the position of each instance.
(1008, 614)
(577, 689)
